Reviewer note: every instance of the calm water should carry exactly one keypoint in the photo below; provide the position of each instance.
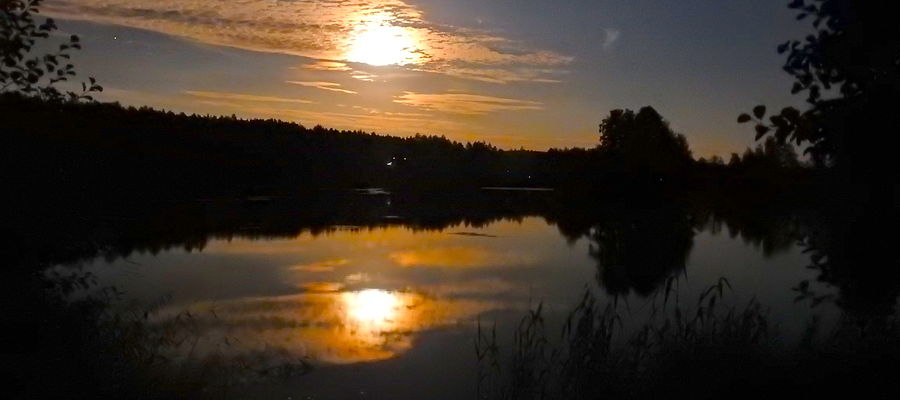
(388, 309)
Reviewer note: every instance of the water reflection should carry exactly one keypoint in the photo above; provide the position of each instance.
(341, 284)
(348, 295)
(336, 282)
(345, 295)
(638, 251)
(372, 307)
(329, 326)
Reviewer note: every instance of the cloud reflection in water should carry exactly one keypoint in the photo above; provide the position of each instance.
(329, 326)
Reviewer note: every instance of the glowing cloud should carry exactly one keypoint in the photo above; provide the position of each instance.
(455, 257)
(463, 103)
(377, 44)
(327, 66)
(377, 32)
(330, 86)
(321, 266)
(242, 97)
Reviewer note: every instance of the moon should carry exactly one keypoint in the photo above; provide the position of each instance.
(381, 44)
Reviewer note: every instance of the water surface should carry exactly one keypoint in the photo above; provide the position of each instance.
(387, 309)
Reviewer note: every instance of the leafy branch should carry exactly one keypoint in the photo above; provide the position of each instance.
(25, 72)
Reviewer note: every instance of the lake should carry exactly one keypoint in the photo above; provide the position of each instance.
(385, 303)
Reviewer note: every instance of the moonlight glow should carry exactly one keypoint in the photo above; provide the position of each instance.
(372, 306)
(379, 44)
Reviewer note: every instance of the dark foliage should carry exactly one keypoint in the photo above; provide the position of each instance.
(25, 71)
(698, 350)
(849, 70)
(110, 151)
(643, 144)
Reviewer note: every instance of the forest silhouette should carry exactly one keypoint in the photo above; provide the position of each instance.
(138, 154)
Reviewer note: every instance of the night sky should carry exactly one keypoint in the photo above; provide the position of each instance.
(516, 73)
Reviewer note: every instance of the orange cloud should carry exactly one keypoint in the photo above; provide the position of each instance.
(243, 97)
(322, 65)
(330, 86)
(451, 257)
(335, 31)
(322, 287)
(463, 103)
(321, 266)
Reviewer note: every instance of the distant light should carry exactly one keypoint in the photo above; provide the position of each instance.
(115, 37)
(390, 163)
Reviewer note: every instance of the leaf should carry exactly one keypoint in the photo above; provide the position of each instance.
(761, 130)
(778, 120)
(759, 111)
(783, 47)
(743, 118)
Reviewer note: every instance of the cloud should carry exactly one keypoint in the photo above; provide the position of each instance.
(611, 36)
(463, 103)
(370, 120)
(242, 97)
(442, 257)
(337, 31)
(330, 86)
(363, 76)
(323, 65)
(321, 266)
(455, 257)
(504, 75)
(321, 287)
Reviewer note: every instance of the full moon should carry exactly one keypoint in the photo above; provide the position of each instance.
(380, 45)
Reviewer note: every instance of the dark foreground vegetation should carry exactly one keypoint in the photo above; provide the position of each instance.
(695, 349)
(88, 180)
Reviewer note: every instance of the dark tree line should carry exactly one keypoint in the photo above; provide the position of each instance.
(105, 149)
(89, 150)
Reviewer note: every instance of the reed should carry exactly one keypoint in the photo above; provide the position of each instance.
(700, 348)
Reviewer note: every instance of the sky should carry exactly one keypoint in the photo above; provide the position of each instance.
(536, 74)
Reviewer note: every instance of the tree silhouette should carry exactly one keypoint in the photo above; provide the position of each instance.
(849, 69)
(643, 144)
(24, 72)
